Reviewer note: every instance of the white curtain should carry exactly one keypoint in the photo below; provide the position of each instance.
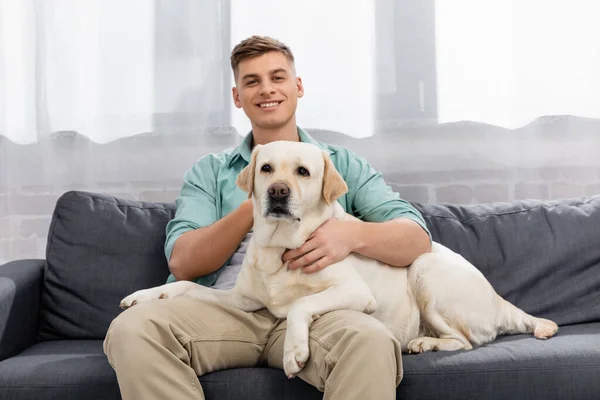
(334, 47)
(508, 62)
(454, 100)
(109, 69)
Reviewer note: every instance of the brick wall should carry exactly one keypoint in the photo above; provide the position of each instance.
(448, 164)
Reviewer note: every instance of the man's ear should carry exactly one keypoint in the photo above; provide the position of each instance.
(299, 87)
(333, 183)
(245, 179)
(236, 97)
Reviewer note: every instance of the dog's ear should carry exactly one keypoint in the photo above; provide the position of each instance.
(245, 179)
(333, 183)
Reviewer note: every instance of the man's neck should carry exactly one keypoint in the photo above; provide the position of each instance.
(287, 132)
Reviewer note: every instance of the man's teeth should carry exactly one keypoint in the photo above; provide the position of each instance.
(267, 105)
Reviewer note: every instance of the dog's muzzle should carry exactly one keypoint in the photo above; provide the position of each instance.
(279, 195)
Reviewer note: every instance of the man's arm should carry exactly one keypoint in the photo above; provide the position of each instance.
(397, 242)
(202, 251)
(389, 229)
(199, 241)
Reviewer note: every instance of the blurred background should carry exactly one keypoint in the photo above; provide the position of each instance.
(462, 101)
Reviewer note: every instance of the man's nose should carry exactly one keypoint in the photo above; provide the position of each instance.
(266, 88)
(279, 191)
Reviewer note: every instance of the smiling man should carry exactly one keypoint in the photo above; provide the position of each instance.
(158, 348)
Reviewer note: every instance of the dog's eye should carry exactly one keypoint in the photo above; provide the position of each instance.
(266, 168)
(303, 171)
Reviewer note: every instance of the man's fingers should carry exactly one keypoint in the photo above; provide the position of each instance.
(293, 254)
(308, 246)
(306, 259)
(319, 265)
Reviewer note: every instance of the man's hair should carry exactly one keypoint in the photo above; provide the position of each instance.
(256, 46)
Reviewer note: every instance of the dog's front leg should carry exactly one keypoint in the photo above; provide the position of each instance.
(230, 297)
(306, 309)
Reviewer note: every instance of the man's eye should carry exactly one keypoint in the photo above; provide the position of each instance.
(266, 168)
(252, 82)
(278, 78)
(303, 171)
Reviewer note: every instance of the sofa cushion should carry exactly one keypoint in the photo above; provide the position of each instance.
(543, 256)
(79, 370)
(100, 249)
(564, 367)
(61, 369)
(513, 367)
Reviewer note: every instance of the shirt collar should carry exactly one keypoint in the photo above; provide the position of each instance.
(244, 150)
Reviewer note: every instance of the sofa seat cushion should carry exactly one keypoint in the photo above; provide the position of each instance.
(564, 367)
(79, 370)
(64, 369)
(512, 367)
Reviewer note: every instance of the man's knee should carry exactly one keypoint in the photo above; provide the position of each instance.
(367, 339)
(128, 331)
(369, 335)
(353, 324)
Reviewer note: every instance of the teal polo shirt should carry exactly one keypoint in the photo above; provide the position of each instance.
(209, 193)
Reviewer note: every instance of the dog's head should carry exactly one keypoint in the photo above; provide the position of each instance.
(290, 180)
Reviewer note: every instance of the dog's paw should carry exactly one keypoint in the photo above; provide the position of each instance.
(142, 296)
(421, 345)
(294, 359)
(545, 329)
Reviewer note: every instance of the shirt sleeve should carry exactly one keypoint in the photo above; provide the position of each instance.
(196, 204)
(371, 199)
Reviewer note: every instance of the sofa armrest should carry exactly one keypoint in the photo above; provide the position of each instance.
(20, 294)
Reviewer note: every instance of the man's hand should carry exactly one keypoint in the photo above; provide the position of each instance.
(330, 243)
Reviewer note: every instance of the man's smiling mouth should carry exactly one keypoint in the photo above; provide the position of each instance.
(269, 105)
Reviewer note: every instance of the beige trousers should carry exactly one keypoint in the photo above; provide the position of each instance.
(159, 348)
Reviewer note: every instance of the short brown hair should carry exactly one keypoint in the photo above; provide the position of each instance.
(256, 46)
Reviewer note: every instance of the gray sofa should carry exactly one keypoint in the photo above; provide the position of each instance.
(542, 256)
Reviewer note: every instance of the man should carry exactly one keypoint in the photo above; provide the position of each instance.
(158, 348)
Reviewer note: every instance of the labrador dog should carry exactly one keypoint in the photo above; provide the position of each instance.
(440, 302)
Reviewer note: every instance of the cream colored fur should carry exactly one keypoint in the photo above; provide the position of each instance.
(441, 302)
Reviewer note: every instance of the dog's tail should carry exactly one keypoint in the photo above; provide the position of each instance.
(513, 320)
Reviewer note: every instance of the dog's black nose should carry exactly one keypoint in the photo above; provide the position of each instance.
(279, 191)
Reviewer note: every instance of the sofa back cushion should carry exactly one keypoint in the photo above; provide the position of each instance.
(543, 256)
(100, 249)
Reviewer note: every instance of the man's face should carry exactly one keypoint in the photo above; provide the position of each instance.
(268, 90)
